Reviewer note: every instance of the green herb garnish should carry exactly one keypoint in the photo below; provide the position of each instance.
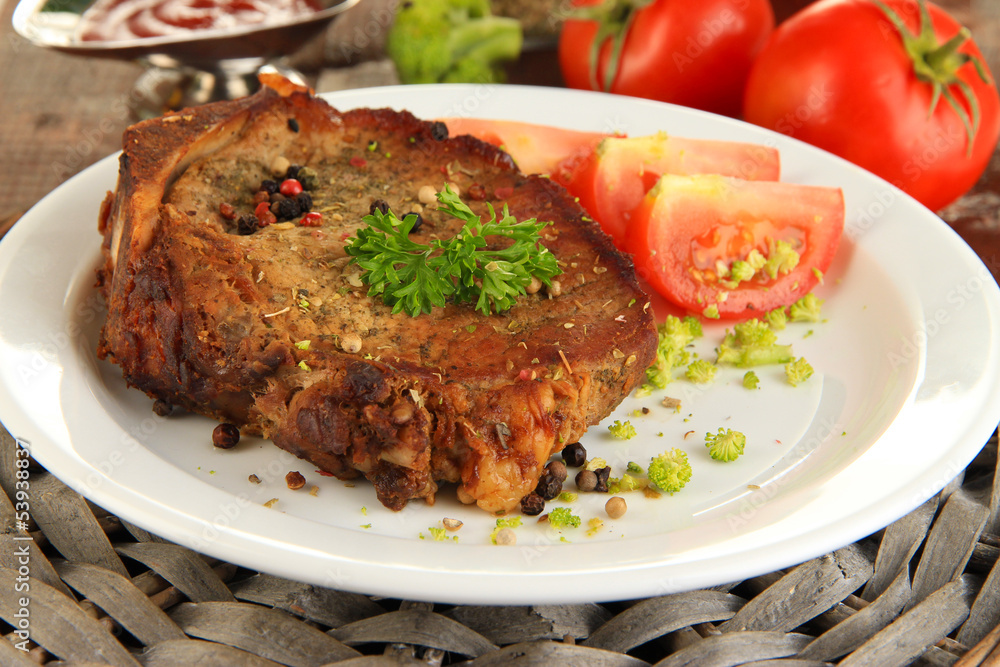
(415, 277)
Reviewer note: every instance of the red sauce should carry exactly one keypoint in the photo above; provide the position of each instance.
(115, 20)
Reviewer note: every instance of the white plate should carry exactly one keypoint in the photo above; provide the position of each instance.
(905, 393)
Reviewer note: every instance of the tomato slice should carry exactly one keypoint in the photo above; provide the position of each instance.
(611, 181)
(537, 149)
(709, 242)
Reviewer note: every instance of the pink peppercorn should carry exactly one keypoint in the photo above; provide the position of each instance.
(290, 187)
(312, 219)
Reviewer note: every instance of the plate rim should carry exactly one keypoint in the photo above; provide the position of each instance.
(499, 591)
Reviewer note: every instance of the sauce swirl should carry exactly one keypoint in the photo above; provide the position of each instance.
(117, 20)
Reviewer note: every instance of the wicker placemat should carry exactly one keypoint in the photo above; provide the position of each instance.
(78, 586)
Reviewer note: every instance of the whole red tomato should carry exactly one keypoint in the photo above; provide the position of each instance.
(696, 53)
(843, 76)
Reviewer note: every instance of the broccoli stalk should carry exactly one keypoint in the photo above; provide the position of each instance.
(434, 41)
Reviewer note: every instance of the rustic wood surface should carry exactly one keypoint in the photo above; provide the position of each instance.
(923, 591)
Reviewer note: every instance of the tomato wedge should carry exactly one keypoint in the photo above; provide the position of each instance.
(728, 248)
(612, 180)
(537, 149)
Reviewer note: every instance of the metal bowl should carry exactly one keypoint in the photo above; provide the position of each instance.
(188, 68)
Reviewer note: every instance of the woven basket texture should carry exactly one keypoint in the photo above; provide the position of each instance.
(923, 591)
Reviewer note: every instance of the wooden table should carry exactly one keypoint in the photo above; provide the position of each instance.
(59, 114)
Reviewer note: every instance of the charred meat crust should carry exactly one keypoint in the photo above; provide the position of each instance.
(214, 321)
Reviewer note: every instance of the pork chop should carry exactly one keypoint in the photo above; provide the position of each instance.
(271, 328)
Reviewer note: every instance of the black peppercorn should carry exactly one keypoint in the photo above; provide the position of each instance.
(293, 171)
(246, 225)
(305, 202)
(574, 455)
(293, 125)
(268, 186)
(548, 486)
(439, 131)
(287, 209)
(162, 408)
(602, 479)
(378, 205)
(532, 504)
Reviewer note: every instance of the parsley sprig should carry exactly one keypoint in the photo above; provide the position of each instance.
(415, 277)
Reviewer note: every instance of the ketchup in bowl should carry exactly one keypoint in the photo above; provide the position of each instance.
(117, 20)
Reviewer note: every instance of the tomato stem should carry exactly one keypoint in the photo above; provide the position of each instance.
(938, 64)
(613, 18)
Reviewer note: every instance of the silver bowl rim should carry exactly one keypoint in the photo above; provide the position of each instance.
(27, 9)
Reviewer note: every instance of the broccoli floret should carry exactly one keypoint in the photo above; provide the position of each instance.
(726, 445)
(755, 260)
(675, 334)
(798, 371)
(781, 259)
(435, 41)
(701, 371)
(711, 311)
(805, 309)
(752, 343)
(634, 468)
(670, 471)
(440, 534)
(777, 318)
(741, 271)
(595, 464)
(562, 517)
(750, 380)
(622, 430)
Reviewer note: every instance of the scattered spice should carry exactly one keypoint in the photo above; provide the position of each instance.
(294, 480)
(253, 479)
(532, 504)
(616, 507)
(350, 343)
(574, 455)
(586, 480)
(548, 486)
(312, 219)
(225, 436)
(505, 537)
(558, 470)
